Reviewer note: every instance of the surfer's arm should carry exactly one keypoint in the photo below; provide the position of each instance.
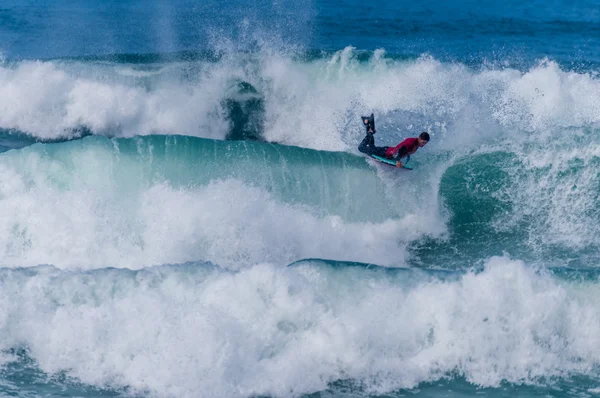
(399, 164)
(400, 152)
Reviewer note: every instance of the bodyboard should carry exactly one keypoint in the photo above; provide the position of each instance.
(389, 161)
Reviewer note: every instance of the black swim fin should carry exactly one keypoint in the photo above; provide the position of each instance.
(369, 123)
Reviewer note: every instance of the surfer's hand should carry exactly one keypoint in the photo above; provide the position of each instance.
(398, 164)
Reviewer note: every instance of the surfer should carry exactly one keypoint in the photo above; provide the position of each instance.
(403, 149)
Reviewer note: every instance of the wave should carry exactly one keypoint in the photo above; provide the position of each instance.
(303, 101)
(536, 195)
(276, 331)
(99, 202)
(142, 201)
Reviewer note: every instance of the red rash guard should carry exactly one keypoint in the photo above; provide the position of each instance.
(411, 145)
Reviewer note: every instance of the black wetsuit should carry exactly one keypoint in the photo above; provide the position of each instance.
(368, 146)
(406, 147)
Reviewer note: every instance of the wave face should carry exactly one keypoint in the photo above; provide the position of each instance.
(97, 202)
(184, 211)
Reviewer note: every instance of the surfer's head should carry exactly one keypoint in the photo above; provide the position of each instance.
(423, 138)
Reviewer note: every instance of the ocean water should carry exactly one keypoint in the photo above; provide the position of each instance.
(184, 211)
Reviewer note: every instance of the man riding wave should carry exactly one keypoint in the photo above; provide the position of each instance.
(403, 149)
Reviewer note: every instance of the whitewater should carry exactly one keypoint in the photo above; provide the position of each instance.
(183, 220)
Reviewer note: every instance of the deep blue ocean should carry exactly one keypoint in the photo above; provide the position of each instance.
(184, 211)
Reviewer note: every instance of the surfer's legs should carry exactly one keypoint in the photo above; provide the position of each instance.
(379, 151)
(368, 146)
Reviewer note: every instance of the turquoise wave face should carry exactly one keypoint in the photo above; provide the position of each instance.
(123, 202)
(328, 182)
(534, 203)
(123, 196)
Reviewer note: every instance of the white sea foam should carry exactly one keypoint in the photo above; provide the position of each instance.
(268, 330)
(226, 222)
(311, 104)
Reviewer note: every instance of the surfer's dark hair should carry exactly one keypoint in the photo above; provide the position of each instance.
(424, 136)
